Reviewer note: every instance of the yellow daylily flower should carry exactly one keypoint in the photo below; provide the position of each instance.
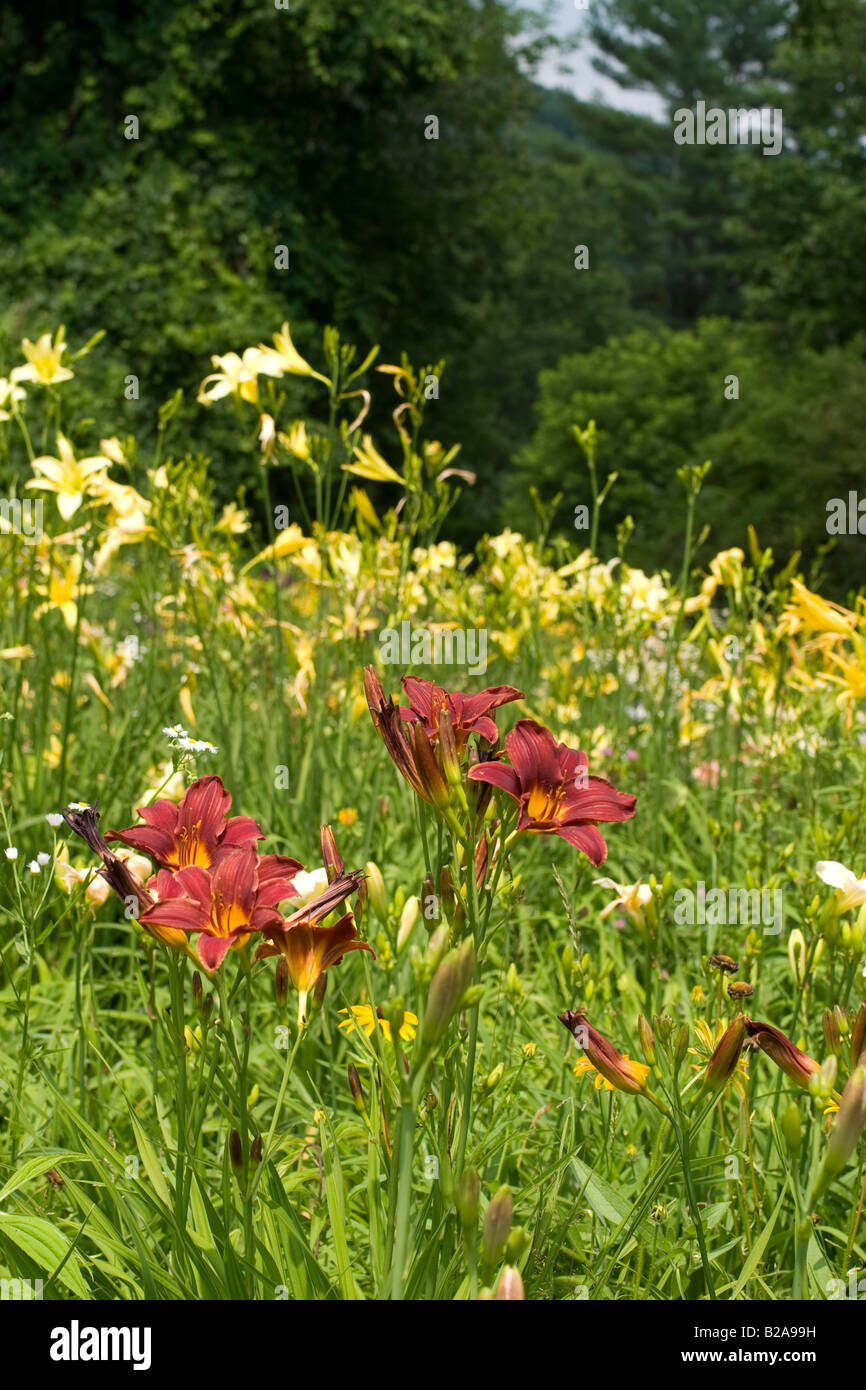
(810, 612)
(632, 897)
(43, 361)
(285, 357)
(9, 394)
(64, 591)
(237, 376)
(370, 464)
(70, 478)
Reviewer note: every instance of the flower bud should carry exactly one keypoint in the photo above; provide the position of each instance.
(196, 991)
(647, 1041)
(497, 1224)
(664, 1026)
(832, 1034)
(376, 892)
(848, 1126)
(256, 1151)
(723, 1063)
(858, 1035)
(519, 1240)
(355, 1087)
(281, 982)
(408, 918)
(822, 1081)
(448, 750)
(495, 1077)
(681, 1045)
(513, 987)
(509, 1287)
(236, 1153)
(331, 857)
(797, 956)
(447, 988)
(436, 947)
(395, 1014)
(467, 1199)
(796, 1065)
(792, 1128)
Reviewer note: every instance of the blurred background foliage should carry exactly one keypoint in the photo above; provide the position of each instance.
(305, 127)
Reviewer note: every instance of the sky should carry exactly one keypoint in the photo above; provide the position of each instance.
(579, 76)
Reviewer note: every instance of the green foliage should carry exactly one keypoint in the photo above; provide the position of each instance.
(659, 401)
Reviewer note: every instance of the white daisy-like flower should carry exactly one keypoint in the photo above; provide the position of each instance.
(204, 745)
(54, 819)
(34, 867)
(79, 806)
(42, 859)
(175, 732)
(11, 852)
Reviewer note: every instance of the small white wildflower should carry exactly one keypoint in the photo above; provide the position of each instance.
(177, 731)
(54, 819)
(79, 806)
(11, 852)
(42, 859)
(185, 743)
(34, 867)
(203, 745)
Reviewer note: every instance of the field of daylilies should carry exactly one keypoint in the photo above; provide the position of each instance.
(380, 921)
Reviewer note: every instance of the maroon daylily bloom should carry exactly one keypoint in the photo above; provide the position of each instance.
(225, 904)
(197, 830)
(308, 948)
(469, 713)
(550, 784)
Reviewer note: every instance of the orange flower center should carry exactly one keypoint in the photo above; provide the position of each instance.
(190, 849)
(544, 803)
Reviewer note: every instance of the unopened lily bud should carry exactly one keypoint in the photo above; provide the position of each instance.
(355, 1087)
(796, 1065)
(447, 988)
(518, 1241)
(408, 918)
(792, 1128)
(850, 1119)
(668, 884)
(832, 1033)
(281, 982)
(513, 987)
(495, 1077)
(497, 1224)
(509, 1287)
(473, 995)
(196, 991)
(448, 750)
(236, 1153)
(723, 1063)
(681, 1045)
(395, 1014)
(858, 1035)
(436, 947)
(317, 996)
(647, 1041)
(434, 787)
(331, 857)
(467, 1199)
(446, 891)
(207, 1008)
(849, 1124)
(797, 956)
(822, 1081)
(567, 959)
(376, 892)
(664, 1026)
(256, 1151)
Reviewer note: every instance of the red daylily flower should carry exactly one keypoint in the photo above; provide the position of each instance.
(225, 904)
(469, 713)
(308, 948)
(197, 830)
(550, 784)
